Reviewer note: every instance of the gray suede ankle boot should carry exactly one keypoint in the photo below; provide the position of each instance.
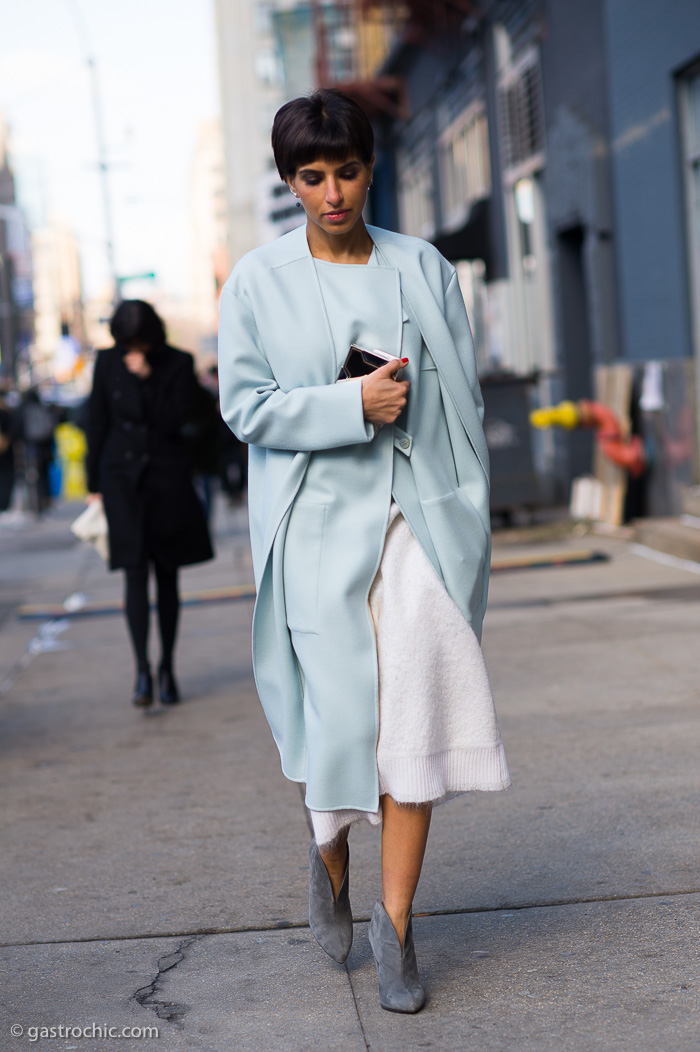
(330, 919)
(400, 988)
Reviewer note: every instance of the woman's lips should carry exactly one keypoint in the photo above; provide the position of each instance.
(336, 217)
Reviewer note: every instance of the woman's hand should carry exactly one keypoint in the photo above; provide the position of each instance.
(136, 363)
(93, 498)
(383, 396)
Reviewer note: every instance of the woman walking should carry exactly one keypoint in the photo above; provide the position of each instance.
(10, 431)
(369, 526)
(138, 465)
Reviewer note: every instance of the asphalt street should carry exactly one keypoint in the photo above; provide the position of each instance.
(154, 866)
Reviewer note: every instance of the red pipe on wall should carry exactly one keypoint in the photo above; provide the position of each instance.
(627, 451)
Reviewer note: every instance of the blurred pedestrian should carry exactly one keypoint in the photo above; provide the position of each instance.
(201, 433)
(10, 429)
(369, 518)
(38, 425)
(232, 464)
(137, 464)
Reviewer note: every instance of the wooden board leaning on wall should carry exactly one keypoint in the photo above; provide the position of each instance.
(613, 387)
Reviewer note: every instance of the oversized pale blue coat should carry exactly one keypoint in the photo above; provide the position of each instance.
(320, 485)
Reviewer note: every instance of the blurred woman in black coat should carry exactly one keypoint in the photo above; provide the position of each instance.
(137, 464)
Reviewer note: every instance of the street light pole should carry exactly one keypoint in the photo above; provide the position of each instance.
(103, 163)
(103, 166)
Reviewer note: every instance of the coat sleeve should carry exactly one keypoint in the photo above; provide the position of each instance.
(456, 317)
(260, 413)
(97, 424)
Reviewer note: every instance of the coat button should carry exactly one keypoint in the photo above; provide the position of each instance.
(405, 443)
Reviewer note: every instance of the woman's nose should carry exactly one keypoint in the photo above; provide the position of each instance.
(333, 193)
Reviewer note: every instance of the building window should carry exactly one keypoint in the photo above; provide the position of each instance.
(416, 198)
(521, 115)
(339, 40)
(465, 169)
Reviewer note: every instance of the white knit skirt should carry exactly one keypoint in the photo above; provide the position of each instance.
(438, 732)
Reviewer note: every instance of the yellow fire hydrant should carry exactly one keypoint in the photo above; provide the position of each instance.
(565, 415)
(71, 446)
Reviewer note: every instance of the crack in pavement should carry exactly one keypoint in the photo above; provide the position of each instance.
(357, 1008)
(170, 1011)
(360, 918)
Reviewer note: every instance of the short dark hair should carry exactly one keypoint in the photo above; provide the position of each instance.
(135, 321)
(327, 125)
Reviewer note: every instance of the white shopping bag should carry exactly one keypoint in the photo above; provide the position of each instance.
(91, 526)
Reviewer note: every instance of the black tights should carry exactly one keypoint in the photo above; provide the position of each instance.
(137, 609)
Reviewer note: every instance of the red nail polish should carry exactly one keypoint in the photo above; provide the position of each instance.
(404, 359)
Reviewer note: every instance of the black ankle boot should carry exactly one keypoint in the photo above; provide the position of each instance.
(143, 690)
(167, 687)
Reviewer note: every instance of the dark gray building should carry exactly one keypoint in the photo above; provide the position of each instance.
(653, 60)
(551, 149)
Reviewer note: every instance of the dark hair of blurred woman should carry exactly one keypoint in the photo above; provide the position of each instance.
(136, 322)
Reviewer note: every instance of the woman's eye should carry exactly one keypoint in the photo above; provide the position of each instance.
(350, 175)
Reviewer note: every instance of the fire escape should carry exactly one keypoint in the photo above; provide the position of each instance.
(354, 38)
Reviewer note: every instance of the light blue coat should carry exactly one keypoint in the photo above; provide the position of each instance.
(321, 481)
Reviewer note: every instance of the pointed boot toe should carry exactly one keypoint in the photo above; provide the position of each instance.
(330, 919)
(400, 989)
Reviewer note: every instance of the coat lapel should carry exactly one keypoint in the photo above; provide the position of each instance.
(439, 341)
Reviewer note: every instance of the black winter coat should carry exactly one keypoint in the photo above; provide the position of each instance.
(137, 460)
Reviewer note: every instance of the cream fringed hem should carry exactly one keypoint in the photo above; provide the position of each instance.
(417, 780)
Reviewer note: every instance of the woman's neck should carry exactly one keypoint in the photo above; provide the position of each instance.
(353, 247)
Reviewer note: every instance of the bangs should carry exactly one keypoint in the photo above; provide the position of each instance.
(326, 148)
(327, 126)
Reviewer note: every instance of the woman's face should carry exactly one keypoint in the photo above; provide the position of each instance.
(333, 195)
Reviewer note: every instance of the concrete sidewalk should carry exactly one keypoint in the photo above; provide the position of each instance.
(154, 867)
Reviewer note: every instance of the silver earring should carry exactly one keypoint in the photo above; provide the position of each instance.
(293, 191)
